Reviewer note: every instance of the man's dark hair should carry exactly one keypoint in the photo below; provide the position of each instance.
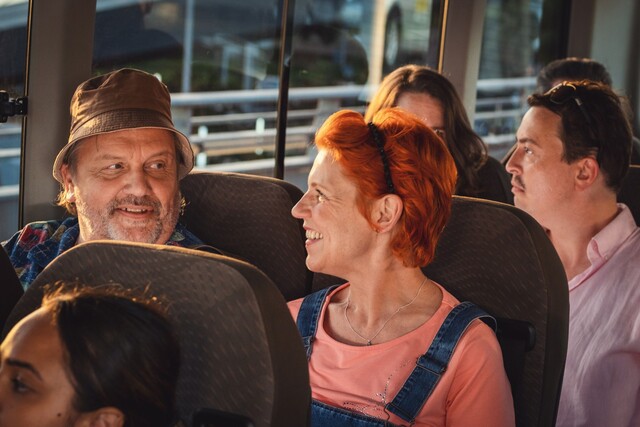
(599, 121)
(572, 69)
(120, 350)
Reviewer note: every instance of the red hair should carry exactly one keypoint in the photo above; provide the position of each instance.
(422, 170)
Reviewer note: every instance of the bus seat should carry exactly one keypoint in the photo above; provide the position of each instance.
(241, 352)
(629, 194)
(10, 287)
(249, 217)
(500, 258)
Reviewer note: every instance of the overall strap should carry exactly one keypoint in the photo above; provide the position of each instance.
(431, 365)
(309, 315)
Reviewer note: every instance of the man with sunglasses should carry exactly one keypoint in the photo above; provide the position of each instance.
(573, 149)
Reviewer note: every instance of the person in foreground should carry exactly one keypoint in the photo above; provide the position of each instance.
(119, 173)
(431, 96)
(379, 196)
(573, 148)
(69, 364)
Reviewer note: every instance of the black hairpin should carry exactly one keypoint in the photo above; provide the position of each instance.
(379, 140)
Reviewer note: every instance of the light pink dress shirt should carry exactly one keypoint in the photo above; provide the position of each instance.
(601, 385)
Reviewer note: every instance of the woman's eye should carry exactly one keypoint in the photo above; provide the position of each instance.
(18, 386)
(320, 197)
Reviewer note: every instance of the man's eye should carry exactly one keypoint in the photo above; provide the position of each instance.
(158, 165)
(114, 166)
(527, 150)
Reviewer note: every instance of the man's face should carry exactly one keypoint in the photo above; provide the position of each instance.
(542, 183)
(125, 186)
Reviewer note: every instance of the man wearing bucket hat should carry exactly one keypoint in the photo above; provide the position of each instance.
(119, 173)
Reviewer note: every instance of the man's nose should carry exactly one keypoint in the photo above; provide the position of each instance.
(138, 182)
(513, 164)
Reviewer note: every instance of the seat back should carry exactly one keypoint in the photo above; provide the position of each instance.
(249, 216)
(10, 287)
(241, 351)
(500, 258)
(629, 194)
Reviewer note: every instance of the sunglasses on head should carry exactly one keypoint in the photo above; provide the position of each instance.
(566, 92)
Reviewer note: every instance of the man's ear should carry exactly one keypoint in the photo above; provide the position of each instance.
(103, 417)
(67, 183)
(587, 170)
(387, 212)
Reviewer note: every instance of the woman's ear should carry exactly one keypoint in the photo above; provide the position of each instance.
(103, 417)
(387, 212)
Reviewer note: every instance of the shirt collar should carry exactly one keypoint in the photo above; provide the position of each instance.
(606, 242)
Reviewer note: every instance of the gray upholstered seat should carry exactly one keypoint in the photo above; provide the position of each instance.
(10, 287)
(241, 351)
(249, 216)
(500, 258)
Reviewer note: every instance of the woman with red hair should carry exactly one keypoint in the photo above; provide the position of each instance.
(380, 350)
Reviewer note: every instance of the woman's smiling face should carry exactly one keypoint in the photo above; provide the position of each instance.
(338, 234)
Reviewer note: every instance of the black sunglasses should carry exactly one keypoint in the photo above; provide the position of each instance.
(564, 92)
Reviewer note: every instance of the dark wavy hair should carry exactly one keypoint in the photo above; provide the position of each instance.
(422, 171)
(607, 127)
(572, 69)
(467, 148)
(120, 351)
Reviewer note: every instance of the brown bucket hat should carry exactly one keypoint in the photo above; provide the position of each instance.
(122, 99)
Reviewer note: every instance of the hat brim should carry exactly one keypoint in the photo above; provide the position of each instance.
(115, 121)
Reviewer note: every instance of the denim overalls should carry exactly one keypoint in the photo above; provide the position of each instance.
(422, 380)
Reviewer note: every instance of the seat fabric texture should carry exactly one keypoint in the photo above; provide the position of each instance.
(241, 352)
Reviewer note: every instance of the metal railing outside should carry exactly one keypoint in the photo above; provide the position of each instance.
(248, 131)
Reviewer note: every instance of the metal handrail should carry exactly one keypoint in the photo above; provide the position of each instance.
(223, 143)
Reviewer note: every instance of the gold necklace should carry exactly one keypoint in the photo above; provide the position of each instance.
(368, 340)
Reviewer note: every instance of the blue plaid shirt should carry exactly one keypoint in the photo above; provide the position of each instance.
(38, 243)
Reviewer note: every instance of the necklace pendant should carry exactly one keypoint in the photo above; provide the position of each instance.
(368, 342)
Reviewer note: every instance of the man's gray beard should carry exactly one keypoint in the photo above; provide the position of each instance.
(103, 226)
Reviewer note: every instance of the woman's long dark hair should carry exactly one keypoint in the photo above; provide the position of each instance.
(467, 148)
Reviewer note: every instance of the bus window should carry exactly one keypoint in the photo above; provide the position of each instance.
(517, 41)
(341, 50)
(221, 61)
(213, 55)
(13, 45)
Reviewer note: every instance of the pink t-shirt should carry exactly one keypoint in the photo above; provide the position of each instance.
(474, 391)
(601, 385)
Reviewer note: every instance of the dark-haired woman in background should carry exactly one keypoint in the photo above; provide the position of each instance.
(90, 357)
(431, 96)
